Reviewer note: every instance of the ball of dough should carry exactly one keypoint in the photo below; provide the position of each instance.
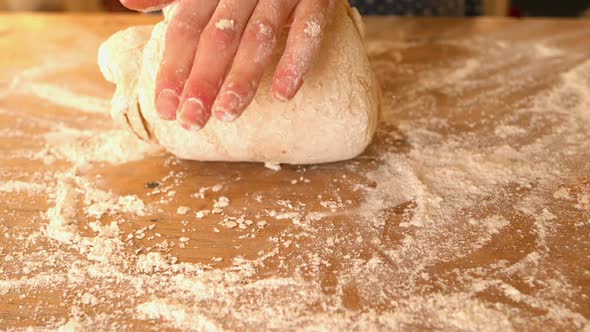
(332, 118)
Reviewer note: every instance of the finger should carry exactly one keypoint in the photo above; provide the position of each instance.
(253, 56)
(182, 39)
(146, 5)
(303, 44)
(217, 47)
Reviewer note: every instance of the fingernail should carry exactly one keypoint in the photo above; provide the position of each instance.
(167, 103)
(228, 107)
(284, 88)
(191, 128)
(192, 115)
(225, 116)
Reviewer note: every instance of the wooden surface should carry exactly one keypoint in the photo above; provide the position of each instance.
(470, 211)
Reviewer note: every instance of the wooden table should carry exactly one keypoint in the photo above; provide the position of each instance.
(470, 211)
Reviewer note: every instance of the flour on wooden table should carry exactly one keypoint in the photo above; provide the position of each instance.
(20, 186)
(415, 234)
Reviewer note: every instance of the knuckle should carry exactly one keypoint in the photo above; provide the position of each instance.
(181, 28)
(260, 31)
(221, 38)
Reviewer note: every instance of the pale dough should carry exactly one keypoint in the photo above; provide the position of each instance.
(332, 118)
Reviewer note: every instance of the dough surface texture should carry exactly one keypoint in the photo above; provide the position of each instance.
(332, 118)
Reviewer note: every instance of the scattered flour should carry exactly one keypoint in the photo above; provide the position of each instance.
(176, 315)
(62, 96)
(82, 147)
(183, 210)
(20, 186)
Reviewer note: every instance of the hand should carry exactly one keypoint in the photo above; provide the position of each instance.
(216, 52)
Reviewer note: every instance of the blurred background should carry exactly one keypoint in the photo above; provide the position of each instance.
(515, 8)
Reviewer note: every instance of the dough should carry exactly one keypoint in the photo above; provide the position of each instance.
(332, 118)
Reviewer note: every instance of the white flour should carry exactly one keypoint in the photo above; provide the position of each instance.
(61, 96)
(114, 146)
(20, 186)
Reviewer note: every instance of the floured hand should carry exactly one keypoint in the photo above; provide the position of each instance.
(216, 52)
